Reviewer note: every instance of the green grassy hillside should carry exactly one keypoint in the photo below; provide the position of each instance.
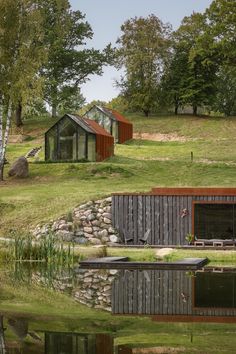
(54, 189)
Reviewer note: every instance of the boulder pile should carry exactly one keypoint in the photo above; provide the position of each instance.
(90, 223)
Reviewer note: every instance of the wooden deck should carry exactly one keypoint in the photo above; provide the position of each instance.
(123, 263)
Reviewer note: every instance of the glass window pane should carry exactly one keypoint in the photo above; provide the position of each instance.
(51, 145)
(115, 130)
(214, 221)
(106, 124)
(91, 148)
(67, 140)
(215, 290)
(101, 118)
(81, 144)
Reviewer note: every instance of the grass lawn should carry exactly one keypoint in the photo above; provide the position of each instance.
(216, 258)
(54, 189)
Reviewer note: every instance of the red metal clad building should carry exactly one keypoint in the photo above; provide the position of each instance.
(113, 122)
(74, 138)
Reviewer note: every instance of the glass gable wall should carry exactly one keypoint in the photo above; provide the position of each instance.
(67, 141)
(91, 147)
(102, 119)
(51, 144)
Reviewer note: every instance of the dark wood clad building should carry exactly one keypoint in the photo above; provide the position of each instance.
(176, 296)
(170, 214)
(74, 138)
(113, 122)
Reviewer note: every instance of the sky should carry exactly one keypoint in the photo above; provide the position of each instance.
(106, 18)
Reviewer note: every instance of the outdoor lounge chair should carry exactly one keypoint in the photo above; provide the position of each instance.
(145, 237)
(127, 240)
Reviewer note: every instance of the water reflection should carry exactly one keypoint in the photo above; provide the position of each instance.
(203, 296)
(46, 342)
(207, 293)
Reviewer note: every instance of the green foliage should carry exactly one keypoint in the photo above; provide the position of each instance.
(226, 91)
(119, 104)
(21, 50)
(68, 66)
(189, 238)
(143, 50)
(220, 34)
(189, 67)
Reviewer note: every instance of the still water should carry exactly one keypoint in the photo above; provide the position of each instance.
(88, 311)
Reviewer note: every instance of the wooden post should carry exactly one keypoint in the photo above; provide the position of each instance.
(191, 156)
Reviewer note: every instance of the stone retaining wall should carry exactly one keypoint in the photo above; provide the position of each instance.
(89, 223)
(94, 288)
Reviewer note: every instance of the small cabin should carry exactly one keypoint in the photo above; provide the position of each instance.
(74, 138)
(177, 216)
(113, 122)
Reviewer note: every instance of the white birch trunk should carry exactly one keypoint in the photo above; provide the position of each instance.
(4, 139)
(1, 133)
(7, 130)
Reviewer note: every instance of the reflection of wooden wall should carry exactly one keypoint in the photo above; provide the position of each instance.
(150, 292)
(134, 214)
(162, 293)
(104, 344)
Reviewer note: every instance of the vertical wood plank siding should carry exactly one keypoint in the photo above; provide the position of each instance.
(158, 292)
(135, 214)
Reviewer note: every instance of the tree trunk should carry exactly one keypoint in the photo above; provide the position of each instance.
(146, 112)
(18, 117)
(1, 170)
(54, 110)
(2, 339)
(176, 109)
(4, 140)
(195, 110)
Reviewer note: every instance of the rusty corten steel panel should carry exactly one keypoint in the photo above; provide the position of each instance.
(125, 131)
(104, 147)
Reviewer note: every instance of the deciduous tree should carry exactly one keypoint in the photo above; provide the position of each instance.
(70, 63)
(20, 59)
(197, 87)
(143, 50)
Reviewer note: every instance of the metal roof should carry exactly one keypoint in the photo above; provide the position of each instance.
(88, 125)
(111, 113)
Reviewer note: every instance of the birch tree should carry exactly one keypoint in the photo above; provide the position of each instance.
(21, 56)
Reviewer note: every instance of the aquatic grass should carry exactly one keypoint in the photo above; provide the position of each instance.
(48, 249)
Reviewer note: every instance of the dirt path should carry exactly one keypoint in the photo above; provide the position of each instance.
(161, 137)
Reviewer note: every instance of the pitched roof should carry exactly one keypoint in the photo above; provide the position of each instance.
(96, 127)
(81, 122)
(120, 117)
(88, 125)
(113, 114)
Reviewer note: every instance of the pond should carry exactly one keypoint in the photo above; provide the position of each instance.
(56, 310)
